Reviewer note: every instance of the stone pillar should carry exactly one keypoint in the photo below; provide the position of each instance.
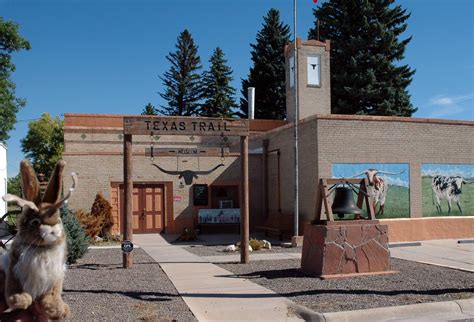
(346, 247)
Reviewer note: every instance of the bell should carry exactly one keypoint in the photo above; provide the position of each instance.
(344, 203)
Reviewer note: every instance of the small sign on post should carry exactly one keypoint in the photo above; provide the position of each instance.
(127, 246)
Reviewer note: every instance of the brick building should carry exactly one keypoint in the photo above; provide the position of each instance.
(165, 203)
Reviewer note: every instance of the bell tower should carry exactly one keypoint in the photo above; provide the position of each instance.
(314, 81)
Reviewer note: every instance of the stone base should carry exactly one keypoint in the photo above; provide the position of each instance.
(297, 241)
(345, 247)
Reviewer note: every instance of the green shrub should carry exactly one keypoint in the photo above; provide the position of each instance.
(102, 210)
(77, 240)
(256, 244)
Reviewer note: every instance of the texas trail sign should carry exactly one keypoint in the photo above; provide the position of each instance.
(185, 126)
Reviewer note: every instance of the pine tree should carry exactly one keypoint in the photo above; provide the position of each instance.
(217, 91)
(366, 77)
(268, 72)
(182, 81)
(149, 110)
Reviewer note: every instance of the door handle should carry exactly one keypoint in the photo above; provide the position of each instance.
(143, 213)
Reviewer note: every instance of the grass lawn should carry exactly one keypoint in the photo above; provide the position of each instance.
(397, 204)
(429, 208)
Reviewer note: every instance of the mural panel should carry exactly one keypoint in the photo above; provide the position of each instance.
(447, 189)
(391, 190)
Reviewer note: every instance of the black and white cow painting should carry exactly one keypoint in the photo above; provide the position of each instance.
(449, 188)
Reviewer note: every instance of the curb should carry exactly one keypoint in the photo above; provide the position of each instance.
(446, 309)
(434, 311)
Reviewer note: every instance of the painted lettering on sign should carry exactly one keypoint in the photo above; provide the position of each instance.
(173, 126)
(185, 126)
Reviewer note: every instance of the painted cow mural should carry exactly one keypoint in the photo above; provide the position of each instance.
(449, 188)
(377, 189)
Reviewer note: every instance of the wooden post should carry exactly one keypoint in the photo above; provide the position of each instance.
(128, 197)
(244, 200)
(265, 178)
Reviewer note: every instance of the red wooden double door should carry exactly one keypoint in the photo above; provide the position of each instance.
(148, 208)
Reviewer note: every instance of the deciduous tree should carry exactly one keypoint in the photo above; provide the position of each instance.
(44, 143)
(10, 42)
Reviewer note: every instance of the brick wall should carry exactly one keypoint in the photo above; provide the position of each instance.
(94, 150)
(324, 140)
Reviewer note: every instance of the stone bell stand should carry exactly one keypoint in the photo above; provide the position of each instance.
(345, 247)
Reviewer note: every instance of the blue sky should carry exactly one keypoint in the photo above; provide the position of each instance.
(350, 169)
(105, 56)
(464, 170)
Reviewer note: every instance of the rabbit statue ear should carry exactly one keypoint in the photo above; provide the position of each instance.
(29, 183)
(53, 191)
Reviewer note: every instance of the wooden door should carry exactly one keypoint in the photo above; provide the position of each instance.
(152, 215)
(148, 208)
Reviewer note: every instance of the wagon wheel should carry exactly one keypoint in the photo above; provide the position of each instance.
(10, 220)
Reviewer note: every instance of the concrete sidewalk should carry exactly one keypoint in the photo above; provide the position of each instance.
(446, 252)
(212, 293)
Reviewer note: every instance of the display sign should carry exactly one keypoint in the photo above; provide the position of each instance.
(219, 216)
(161, 125)
(127, 246)
(314, 70)
(200, 195)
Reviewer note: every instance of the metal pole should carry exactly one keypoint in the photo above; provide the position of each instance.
(128, 197)
(296, 216)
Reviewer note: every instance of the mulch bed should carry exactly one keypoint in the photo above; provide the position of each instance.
(98, 288)
(414, 283)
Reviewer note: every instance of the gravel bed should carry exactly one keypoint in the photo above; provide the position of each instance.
(97, 288)
(202, 250)
(413, 283)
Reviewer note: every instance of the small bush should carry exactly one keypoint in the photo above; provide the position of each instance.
(256, 244)
(77, 240)
(91, 224)
(102, 209)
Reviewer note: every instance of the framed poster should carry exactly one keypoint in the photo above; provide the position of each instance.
(200, 195)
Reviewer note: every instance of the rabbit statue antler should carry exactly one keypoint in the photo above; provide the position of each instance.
(26, 203)
(20, 202)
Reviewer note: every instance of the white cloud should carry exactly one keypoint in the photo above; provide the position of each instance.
(449, 105)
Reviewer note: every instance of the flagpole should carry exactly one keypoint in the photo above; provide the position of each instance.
(296, 205)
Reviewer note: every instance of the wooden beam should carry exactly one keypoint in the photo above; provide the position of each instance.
(244, 199)
(128, 197)
(265, 177)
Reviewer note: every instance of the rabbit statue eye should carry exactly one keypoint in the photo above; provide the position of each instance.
(35, 222)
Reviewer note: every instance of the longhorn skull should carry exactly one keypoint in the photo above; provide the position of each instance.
(188, 175)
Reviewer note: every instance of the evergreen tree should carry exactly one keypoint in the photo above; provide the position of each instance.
(149, 110)
(365, 49)
(77, 240)
(268, 72)
(182, 81)
(217, 91)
